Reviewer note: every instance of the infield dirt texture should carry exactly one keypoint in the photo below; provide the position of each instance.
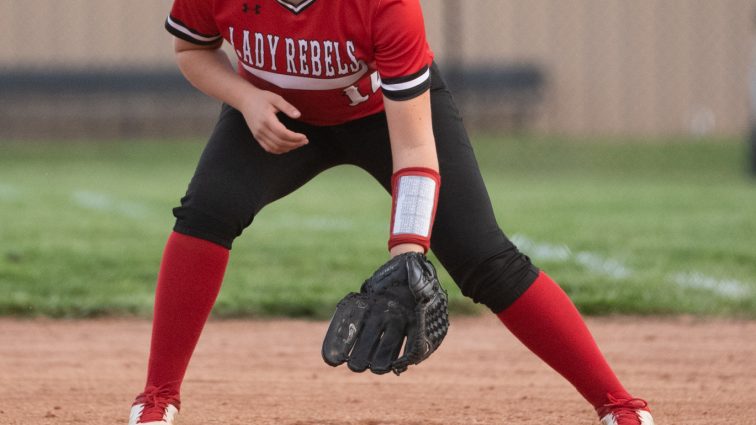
(694, 372)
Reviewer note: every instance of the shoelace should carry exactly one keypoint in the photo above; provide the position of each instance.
(156, 400)
(624, 410)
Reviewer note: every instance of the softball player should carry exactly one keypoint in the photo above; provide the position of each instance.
(327, 82)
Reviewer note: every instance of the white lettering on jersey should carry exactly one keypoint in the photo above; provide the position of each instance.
(375, 81)
(355, 66)
(291, 67)
(247, 48)
(315, 54)
(314, 58)
(259, 50)
(273, 44)
(327, 52)
(354, 95)
(342, 70)
(303, 68)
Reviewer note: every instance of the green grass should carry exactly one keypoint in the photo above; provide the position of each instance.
(625, 227)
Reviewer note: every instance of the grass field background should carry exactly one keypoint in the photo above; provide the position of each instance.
(641, 228)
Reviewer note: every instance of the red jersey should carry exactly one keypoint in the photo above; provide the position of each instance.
(332, 59)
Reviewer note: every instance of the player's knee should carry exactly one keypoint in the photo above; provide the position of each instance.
(498, 280)
(217, 226)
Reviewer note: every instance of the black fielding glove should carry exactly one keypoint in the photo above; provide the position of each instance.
(403, 299)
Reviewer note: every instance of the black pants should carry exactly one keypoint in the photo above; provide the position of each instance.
(236, 178)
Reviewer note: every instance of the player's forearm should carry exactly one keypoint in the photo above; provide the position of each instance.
(210, 71)
(419, 152)
(416, 181)
(411, 133)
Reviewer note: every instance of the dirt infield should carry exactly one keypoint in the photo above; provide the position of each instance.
(270, 372)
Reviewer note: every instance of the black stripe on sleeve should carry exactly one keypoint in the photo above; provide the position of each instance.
(405, 78)
(406, 92)
(409, 93)
(187, 37)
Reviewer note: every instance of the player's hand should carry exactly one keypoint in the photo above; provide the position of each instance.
(403, 299)
(260, 113)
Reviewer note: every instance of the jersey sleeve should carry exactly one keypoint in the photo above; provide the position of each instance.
(193, 21)
(402, 54)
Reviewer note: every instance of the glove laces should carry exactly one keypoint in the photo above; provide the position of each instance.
(624, 410)
(156, 401)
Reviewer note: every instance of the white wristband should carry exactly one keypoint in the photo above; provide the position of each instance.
(414, 205)
(415, 195)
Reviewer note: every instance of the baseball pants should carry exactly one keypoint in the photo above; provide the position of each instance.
(236, 178)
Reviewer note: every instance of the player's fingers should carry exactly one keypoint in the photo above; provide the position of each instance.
(388, 348)
(366, 343)
(287, 108)
(274, 136)
(264, 140)
(285, 135)
(272, 143)
(346, 324)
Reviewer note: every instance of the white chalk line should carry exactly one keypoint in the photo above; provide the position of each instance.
(615, 269)
(591, 261)
(86, 199)
(97, 201)
(607, 266)
(729, 288)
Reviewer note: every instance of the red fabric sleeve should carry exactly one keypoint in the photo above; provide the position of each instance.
(193, 21)
(402, 54)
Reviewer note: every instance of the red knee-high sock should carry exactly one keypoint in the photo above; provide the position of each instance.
(189, 281)
(547, 322)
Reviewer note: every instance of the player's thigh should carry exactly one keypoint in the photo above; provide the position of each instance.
(466, 238)
(465, 224)
(464, 218)
(235, 178)
(366, 144)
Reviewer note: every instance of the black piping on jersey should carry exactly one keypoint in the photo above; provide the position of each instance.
(184, 36)
(411, 86)
(298, 8)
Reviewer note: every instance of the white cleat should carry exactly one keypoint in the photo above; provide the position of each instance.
(632, 411)
(644, 416)
(155, 406)
(169, 415)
